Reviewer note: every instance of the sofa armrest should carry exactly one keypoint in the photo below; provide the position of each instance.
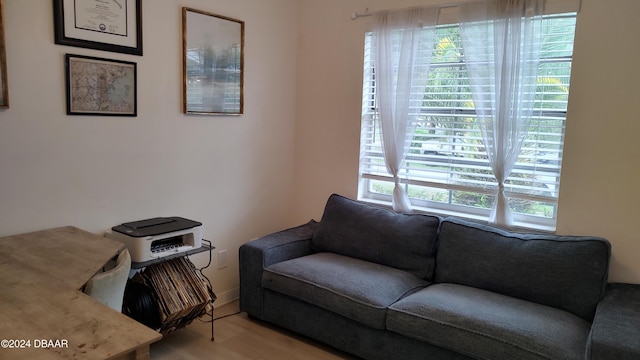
(260, 253)
(615, 329)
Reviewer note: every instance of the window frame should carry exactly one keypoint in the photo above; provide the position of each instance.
(523, 221)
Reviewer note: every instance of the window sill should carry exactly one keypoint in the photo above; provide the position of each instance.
(519, 226)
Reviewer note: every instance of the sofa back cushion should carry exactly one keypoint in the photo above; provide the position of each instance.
(371, 233)
(565, 272)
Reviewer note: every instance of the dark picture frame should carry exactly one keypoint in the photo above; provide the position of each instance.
(98, 86)
(4, 89)
(213, 63)
(94, 24)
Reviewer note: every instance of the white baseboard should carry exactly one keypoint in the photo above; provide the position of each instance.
(227, 297)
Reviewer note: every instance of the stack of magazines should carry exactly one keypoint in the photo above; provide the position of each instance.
(180, 291)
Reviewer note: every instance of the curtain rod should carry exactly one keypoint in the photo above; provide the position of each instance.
(366, 12)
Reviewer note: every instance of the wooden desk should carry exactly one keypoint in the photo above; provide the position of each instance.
(41, 274)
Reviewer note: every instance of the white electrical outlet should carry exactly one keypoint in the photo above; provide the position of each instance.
(223, 262)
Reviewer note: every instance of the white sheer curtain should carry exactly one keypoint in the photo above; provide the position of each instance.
(501, 41)
(399, 38)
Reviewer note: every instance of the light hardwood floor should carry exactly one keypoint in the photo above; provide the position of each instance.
(239, 337)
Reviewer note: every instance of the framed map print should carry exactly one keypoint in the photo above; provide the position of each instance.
(213, 63)
(97, 86)
(113, 25)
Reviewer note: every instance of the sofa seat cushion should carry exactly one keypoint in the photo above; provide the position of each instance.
(486, 325)
(357, 289)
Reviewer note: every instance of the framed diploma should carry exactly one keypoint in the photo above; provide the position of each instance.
(110, 25)
(213, 54)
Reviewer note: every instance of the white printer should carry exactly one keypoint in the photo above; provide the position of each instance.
(158, 237)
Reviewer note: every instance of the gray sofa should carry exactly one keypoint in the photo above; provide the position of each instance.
(383, 285)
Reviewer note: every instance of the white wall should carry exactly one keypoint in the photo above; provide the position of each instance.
(599, 193)
(234, 174)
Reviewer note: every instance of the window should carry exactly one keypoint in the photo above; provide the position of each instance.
(447, 170)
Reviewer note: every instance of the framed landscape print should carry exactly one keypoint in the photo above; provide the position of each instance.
(97, 86)
(4, 90)
(98, 24)
(213, 66)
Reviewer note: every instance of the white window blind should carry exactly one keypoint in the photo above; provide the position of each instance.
(447, 170)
